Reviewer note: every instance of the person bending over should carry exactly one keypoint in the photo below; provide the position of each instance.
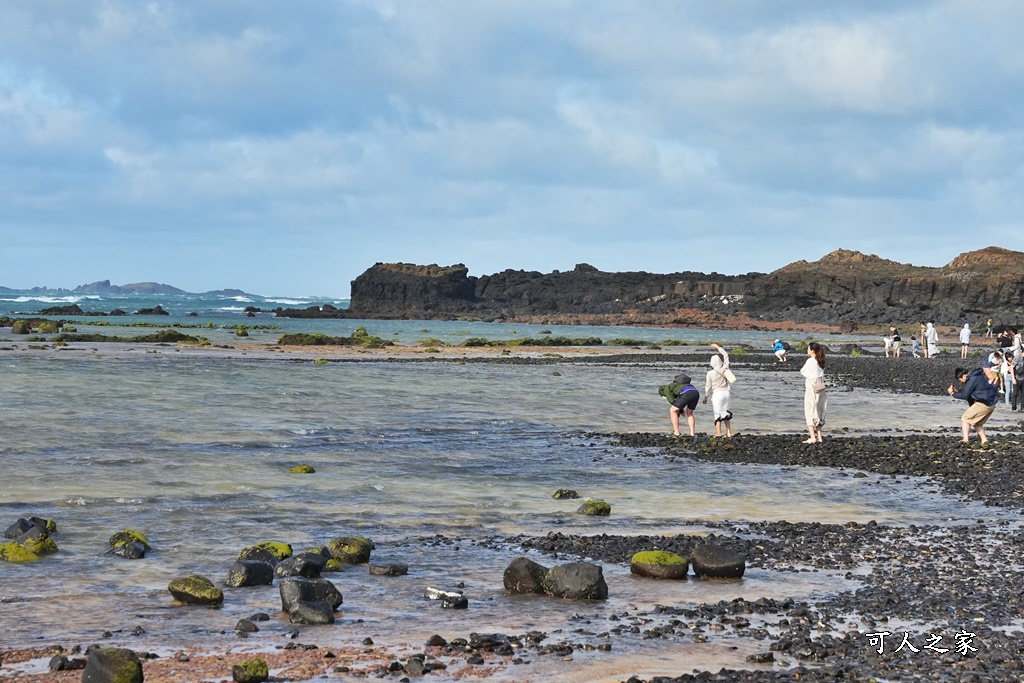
(981, 397)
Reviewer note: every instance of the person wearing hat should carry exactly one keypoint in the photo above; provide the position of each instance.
(683, 397)
(780, 351)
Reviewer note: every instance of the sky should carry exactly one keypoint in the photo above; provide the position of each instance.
(285, 147)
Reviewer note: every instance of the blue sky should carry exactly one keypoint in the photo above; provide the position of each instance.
(283, 148)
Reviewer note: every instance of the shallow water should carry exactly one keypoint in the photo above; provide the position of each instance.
(193, 450)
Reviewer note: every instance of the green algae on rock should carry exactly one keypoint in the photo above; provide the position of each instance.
(12, 552)
(595, 508)
(351, 549)
(113, 664)
(40, 546)
(253, 670)
(195, 590)
(302, 469)
(129, 536)
(659, 564)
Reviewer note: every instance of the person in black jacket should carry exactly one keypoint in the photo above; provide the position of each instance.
(981, 397)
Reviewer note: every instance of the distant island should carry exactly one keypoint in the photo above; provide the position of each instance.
(104, 287)
(846, 289)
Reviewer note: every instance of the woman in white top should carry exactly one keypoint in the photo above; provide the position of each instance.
(815, 402)
(965, 340)
(931, 336)
(717, 387)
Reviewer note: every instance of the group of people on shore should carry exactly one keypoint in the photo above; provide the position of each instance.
(1002, 374)
(683, 396)
(929, 335)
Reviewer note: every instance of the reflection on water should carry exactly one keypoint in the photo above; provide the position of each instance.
(194, 452)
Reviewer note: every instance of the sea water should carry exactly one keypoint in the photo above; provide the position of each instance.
(436, 462)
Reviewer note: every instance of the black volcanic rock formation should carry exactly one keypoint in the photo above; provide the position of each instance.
(843, 287)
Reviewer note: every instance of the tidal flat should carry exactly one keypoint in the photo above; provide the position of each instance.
(859, 551)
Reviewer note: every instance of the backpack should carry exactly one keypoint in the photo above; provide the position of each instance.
(786, 346)
(670, 391)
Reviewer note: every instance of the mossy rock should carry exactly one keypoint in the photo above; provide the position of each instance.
(113, 664)
(565, 493)
(40, 546)
(21, 327)
(241, 332)
(195, 590)
(12, 552)
(129, 536)
(351, 549)
(282, 551)
(321, 361)
(48, 327)
(659, 564)
(595, 508)
(302, 469)
(253, 670)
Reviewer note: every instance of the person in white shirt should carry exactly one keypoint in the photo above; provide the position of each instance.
(815, 394)
(718, 388)
(965, 340)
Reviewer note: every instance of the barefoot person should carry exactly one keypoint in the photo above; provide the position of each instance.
(683, 397)
(931, 337)
(815, 394)
(718, 388)
(981, 397)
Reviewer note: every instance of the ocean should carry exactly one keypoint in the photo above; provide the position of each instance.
(438, 463)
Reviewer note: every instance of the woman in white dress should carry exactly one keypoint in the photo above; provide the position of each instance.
(815, 394)
(717, 387)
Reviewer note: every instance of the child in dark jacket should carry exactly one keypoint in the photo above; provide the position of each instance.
(683, 397)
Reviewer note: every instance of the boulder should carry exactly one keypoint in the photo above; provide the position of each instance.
(389, 569)
(296, 589)
(351, 549)
(253, 670)
(129, 536)
(133, 550)
(524, 576)
(576, 581)
(195, 590)
(258, 554)
(659, 564)
(715, 562)
(18, 528)
(566, 493)
(245, 573)
(302, 469)
(311, 613)
(309, 565)
(43, 545)
(280, 551)
(597, 508)
(112, 665)
(12, 552)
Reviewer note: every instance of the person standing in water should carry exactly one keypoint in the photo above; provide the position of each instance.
(815, 394)
(717, 387)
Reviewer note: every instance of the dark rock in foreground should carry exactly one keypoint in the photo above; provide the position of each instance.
(112, 665)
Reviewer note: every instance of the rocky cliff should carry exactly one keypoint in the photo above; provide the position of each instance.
(843, 287)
